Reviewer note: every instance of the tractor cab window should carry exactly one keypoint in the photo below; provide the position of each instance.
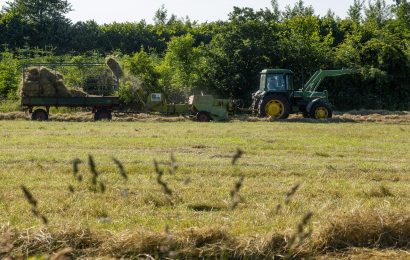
(263, 82)
(276, 82)
(289, 81)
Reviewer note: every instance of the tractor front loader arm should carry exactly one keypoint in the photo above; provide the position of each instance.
(314, 82)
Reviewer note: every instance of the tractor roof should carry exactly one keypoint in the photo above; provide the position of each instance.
(276, 71)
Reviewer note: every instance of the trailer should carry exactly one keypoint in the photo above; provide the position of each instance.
(101, 107)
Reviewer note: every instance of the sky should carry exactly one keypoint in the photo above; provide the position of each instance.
(103, 11)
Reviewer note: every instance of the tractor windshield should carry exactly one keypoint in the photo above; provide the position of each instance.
(263, 82)
(276, 82)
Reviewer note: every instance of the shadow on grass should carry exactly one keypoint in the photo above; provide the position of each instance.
(206, 208)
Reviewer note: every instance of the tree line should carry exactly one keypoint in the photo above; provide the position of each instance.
(177, 55)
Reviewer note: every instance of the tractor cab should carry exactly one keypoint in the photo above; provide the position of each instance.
(276, 80)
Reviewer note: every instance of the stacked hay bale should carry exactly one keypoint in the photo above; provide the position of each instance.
(115, 67)
(131, 91)
(44, 82)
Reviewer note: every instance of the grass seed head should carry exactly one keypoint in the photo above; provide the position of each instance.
(239, 153)
(29, 197)
(92, 166)
(291, 193)
(76, 163)
(121, 169)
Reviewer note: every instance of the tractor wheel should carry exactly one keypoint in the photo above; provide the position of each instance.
(102, 114)
(305, 115)
(203, 116)
(320, 110)
(39, 115)
(274, 106)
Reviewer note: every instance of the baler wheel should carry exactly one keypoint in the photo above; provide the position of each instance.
(203, 116)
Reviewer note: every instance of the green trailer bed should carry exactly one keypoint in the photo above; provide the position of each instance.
(102, 107)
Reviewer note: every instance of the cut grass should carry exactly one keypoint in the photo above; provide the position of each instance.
(354, 177)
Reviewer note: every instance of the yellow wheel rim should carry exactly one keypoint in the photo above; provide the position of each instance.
(275, 108)
(321, 113)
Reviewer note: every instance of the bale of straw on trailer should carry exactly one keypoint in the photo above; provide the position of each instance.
(43, 82)
(61, 89)
(32, 74)
(30, 89)
(77, 93)
(47, 88)
(115, 67)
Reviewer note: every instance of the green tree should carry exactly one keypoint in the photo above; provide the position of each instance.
(378, 12)
(299, 9)
(355, 11)
(161, 15)
(9, 75)
(43, 22)
(181, 63)
(145, 67)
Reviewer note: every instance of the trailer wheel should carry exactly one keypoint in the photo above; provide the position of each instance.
(203, 116)
(274, 106)
(39, 115)
(320, 110)
(102, 114)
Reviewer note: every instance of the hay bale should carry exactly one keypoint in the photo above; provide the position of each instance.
(61, 89)
(30, 89)
(48, 74)
(77, 93)
(59, 76)
(32, 74)
(115, 67)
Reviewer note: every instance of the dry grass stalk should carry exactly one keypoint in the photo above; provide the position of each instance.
(34, 205)
(291, 193)
(29, 197)
(288, 198)
(96, 185)
(235, 196)
(78, 177)
(173, 165)
(162, 183)
(301, 233)
(121, 169)
(76, 163)
(239, 153)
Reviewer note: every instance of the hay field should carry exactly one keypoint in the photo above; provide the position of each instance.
(353, 199)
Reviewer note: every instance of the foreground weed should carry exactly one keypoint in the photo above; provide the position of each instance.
(302, 233)
(96, 185)
(33, 203)
(76, 174)
(235, 196)
(173, 167)
(239, 153)
(288, 198)
(160, 174)
(121, 169)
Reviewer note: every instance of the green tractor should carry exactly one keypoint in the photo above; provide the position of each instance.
(278, 97)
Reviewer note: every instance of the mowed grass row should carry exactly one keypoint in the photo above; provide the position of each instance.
(342, 168)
